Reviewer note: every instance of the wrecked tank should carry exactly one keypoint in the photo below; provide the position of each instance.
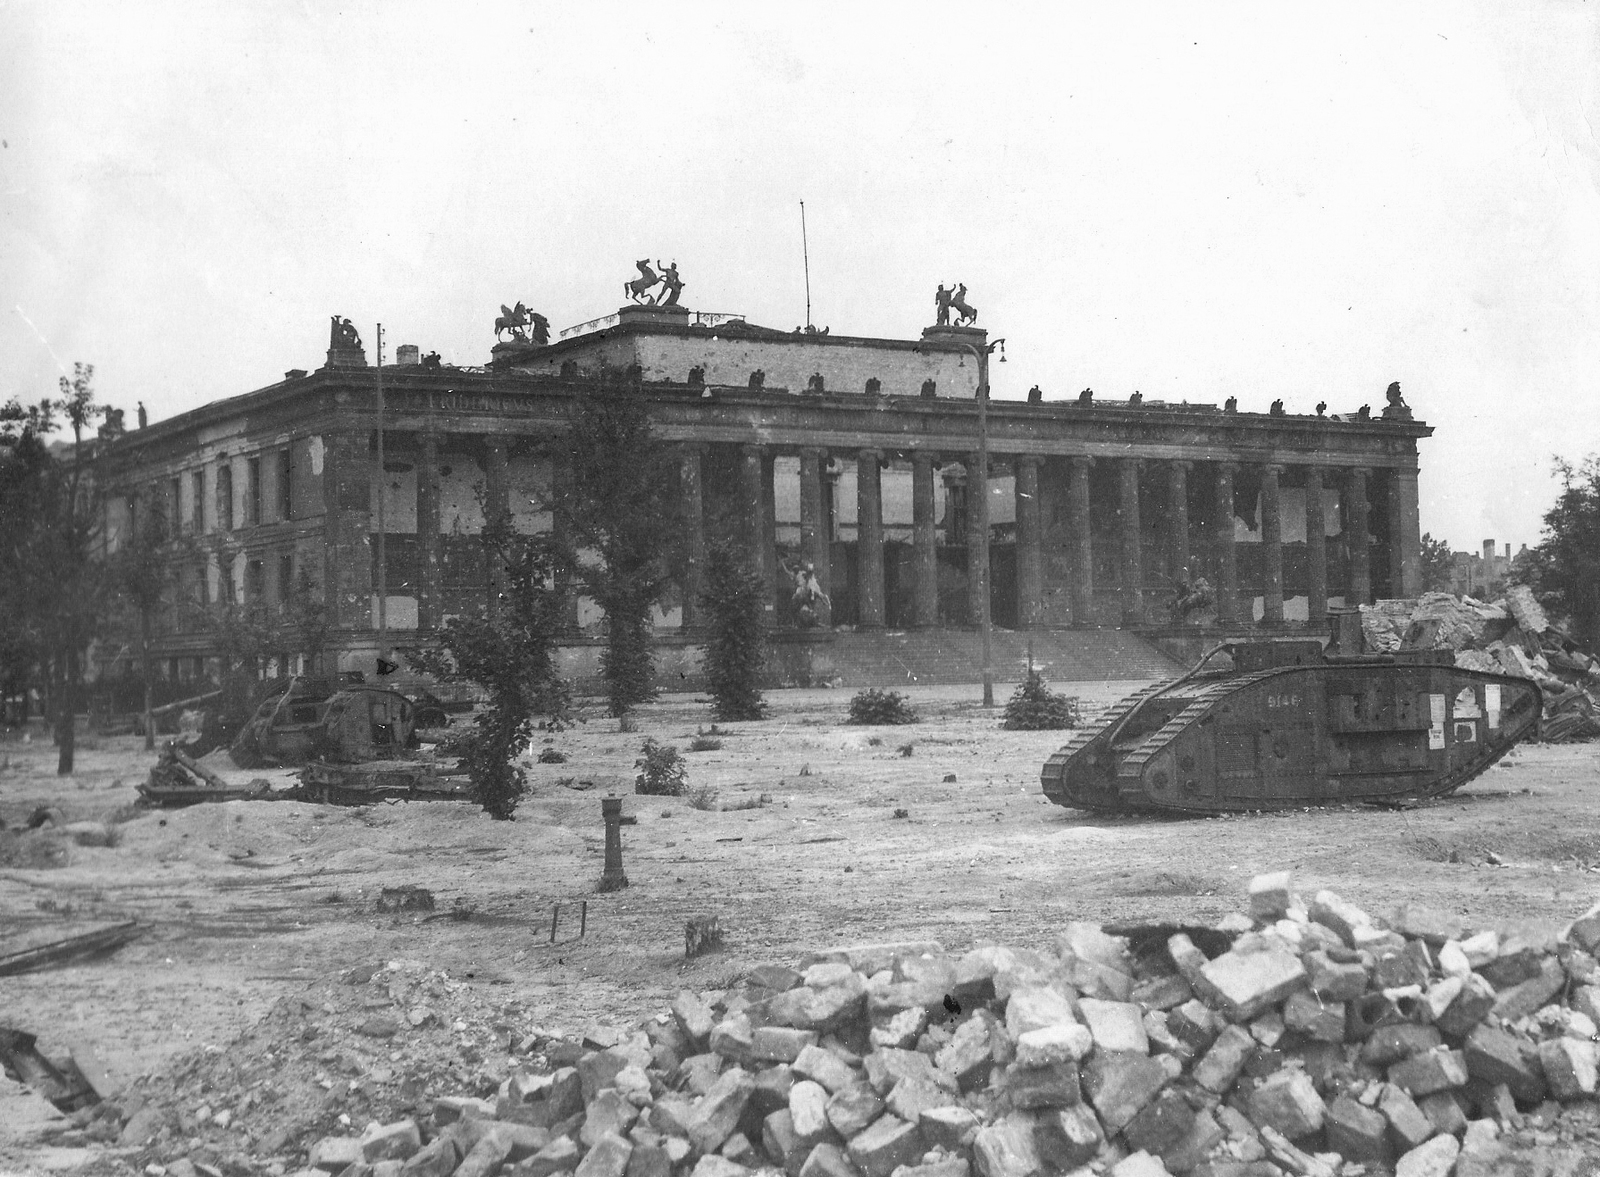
(323, 719)
(1293, 725)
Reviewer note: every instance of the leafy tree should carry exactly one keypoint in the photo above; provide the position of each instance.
(618, 504)
(305, 619)
(735, 656)
(142, 572)
(52, 584)
(510, 652)
(1438, 565)
(1564, 570)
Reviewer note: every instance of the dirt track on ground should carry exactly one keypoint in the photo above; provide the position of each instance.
(249, 902)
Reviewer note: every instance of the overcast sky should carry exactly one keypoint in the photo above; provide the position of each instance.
(1268, 200)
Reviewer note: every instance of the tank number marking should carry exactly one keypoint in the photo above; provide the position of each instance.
(1284, 700)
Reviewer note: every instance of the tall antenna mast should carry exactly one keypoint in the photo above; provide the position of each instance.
(805, 252)
(383, 563)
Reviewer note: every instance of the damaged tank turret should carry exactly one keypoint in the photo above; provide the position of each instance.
(1293, 725)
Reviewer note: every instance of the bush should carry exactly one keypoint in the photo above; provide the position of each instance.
(1034, 707)
(881, 707)
(702, 797)
(662, 772)
(704, 744)
(551, 756)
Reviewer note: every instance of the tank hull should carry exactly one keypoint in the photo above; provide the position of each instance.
(1294, 736)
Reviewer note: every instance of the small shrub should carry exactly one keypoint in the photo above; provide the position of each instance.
(1035, 707)
(906, 750)
(704, 744)
(881, 707)
(551, 756)
(702, 797)
(662, 772)
(627, 723)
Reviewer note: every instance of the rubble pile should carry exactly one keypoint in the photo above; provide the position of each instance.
(1510, 636)
(1307, 1038)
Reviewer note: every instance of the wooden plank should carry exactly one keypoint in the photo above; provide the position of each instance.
(58, 951)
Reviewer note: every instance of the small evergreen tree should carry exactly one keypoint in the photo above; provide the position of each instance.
(735, 657)
(510, 652)
(1035, 707)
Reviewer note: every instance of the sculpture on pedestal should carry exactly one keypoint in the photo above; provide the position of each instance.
(525, 326)
(343, 336)
(941, 303)
(1396, 409)
(639, 289)
(965, 315)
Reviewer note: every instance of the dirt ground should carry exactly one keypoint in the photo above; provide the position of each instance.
(256, 909)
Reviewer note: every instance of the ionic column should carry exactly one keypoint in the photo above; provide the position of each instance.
(1272, 546)
(769, 533)
(561, 532)
(1132, 557)
(752, 506)
(1080, 547)
(977, 575)
(428, 581)
(1178, 517)
(497, 501)
(1316, 549)
(694, 524)
(1226, 557)
(1405, 532)
(924, 541)
(869, 539)
(814, 526)
(1358, 536)
(1030, 549)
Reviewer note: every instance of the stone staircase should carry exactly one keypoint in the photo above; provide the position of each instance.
(889, 658)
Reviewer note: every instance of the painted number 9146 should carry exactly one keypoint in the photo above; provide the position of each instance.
(1283, 700)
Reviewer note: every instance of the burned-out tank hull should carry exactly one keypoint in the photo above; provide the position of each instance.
(1291, 727)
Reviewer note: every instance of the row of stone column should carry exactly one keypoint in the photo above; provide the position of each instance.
(758, 533)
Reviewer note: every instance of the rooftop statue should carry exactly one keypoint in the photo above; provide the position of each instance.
(671, 285)
(1396, 409)
(525, 326)
(965, 315)
(639, 289)
(343, 336)
(941, 303)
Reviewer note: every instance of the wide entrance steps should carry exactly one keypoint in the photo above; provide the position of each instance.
(890, 658)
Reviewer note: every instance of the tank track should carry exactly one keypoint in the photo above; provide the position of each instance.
(1130, 771)
(1053, 777)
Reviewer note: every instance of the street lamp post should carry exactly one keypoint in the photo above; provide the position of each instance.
(979, 496)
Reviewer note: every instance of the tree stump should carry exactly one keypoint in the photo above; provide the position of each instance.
(700, 936)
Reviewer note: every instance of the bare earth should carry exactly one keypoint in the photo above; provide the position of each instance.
(249, 903)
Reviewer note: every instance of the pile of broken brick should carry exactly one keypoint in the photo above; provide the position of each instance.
(1306, 1038)
(1511, 636)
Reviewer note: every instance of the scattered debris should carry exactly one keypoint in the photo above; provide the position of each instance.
(56, 952)
(177, 780)
(409, 897)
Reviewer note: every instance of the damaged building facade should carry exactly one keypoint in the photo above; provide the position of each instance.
(854, 455)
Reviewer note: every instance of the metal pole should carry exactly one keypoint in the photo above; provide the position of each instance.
(981, 505)
(805, 252)
(383, 563)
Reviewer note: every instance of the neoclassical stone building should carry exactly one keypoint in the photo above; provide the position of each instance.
(854, 454)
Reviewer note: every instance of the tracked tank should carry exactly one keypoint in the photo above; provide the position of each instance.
(1293, 725)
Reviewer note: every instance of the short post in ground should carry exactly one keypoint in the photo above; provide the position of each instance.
(613, 878)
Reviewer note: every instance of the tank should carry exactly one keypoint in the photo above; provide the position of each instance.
(1292, 725)
(318, 718)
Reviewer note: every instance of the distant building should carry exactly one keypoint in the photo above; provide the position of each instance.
(852, 454)
(1482, 576)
